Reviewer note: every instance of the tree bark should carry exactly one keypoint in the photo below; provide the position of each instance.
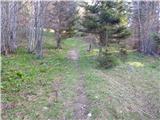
(36, 28)
(58, 39)
(13, 6)
(31, 40)
(8, 26)
(145, 16)
(39, 30)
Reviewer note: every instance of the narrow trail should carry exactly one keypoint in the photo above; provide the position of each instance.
(80, 104)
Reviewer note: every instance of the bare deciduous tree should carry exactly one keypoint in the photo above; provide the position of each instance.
(145, 22)
(36, 27)
(8, 26)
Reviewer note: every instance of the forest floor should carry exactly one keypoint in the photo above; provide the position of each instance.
(80, 104)
(67, 85)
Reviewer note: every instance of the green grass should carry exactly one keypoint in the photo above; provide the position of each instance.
(25, 76)
(128, 91)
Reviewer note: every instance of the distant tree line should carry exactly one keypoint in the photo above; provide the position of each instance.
(108, 21)
(35, 16)
(146, 25)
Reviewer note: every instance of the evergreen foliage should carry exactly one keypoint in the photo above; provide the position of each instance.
(107, 19)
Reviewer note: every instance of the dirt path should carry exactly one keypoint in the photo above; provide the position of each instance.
(73, 55)
(80, 104)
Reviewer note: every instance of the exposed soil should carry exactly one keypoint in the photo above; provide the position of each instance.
(73, 54)
(80, 104)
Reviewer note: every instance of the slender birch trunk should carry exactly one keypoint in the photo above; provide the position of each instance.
(12, 25)
(31, 40)
(8, 26)
(36, 28)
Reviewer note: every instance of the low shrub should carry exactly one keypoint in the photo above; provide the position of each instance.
(107, 60)
(123, 54)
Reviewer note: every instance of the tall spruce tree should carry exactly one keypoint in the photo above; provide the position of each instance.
(107, 19)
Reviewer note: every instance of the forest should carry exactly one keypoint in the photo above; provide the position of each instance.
(80, 60)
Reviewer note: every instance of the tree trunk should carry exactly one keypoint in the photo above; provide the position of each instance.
(39, 30)
(147, 24)
(36, 28)
(102, 41)
(89, 47)
(58, 39)
(13, 25)
(8, 26)
(4, 26)
(31, 40)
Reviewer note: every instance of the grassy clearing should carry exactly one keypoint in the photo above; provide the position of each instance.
(129, 91)
(30, 84)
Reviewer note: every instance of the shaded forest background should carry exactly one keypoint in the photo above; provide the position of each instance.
(25, 22)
